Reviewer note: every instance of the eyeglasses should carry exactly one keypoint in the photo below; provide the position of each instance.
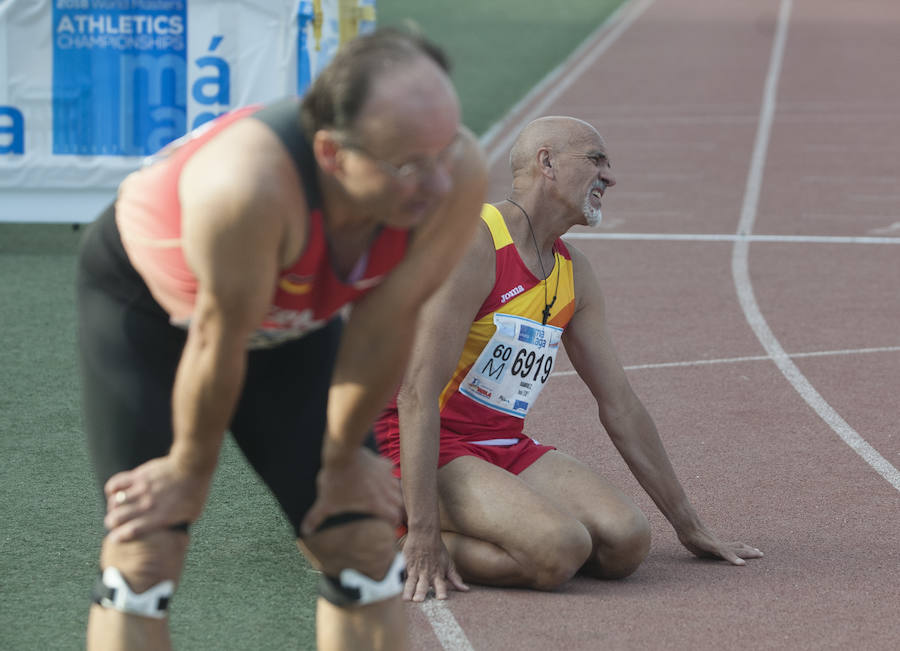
(415, 169)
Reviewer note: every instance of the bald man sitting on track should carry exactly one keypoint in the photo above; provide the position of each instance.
(486, 503)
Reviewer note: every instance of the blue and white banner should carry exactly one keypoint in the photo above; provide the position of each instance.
(119, 76)
(90, 87)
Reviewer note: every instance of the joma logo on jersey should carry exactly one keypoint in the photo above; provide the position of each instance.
(515, 291)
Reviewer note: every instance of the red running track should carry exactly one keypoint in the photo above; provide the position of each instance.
(770, 363)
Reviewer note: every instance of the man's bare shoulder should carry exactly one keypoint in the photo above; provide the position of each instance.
(480, 255)
(481, 247)
(473, 277)
(245, 178)
(246, 163)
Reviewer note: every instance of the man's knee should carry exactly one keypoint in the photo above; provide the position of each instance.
(359, 562)
(351, 588)
(624, 547)
(140, 576)
(559, 554)
(366, 546)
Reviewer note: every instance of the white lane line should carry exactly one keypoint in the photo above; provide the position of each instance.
(446, 628)
(725, 237)
(764, 129)
(559, 80)
(751, 358)
(741, 274)
(448, 631)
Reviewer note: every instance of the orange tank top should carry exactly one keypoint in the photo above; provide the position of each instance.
(307, 294)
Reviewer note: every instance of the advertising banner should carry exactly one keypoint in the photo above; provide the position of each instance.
(90, 87)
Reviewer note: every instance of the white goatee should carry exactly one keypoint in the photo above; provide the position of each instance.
(593, 215)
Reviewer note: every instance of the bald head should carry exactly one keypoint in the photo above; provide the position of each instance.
(560, 165)
(338, 95)
(555, 132)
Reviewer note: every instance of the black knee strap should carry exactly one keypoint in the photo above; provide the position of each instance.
(342, 518)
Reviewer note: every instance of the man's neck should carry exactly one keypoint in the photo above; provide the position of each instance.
(534, 242)
(349, 228)
(546, 226)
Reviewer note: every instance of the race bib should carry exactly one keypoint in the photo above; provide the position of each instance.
(514, 365)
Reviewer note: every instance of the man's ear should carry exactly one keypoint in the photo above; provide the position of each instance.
(546, 163)
(325, 149)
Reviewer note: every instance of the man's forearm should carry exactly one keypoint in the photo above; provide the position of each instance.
(374, 348)
(207, 386)
(419, 453)
(637, 440)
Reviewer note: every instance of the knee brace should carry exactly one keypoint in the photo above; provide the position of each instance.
(353, 588)
(111, 590)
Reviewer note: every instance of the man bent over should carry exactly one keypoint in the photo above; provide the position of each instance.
(211, 297)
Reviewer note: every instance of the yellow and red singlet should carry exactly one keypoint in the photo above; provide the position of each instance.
(508, 354)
